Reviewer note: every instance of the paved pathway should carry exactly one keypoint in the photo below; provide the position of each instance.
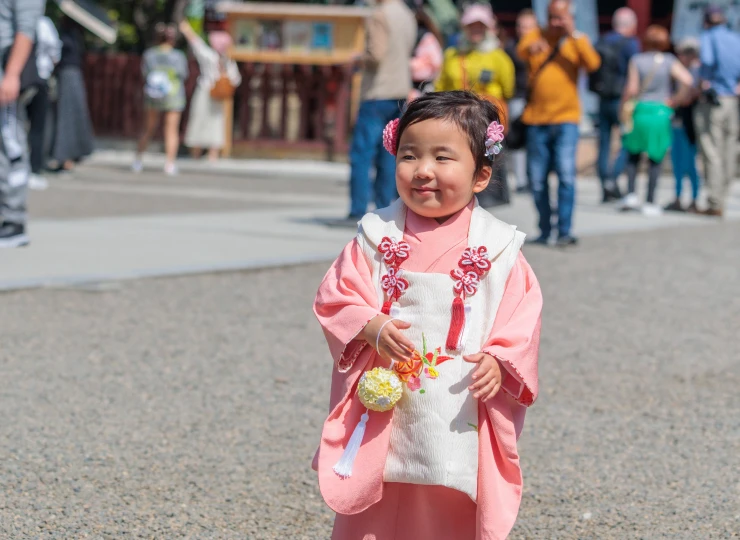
(104, 223)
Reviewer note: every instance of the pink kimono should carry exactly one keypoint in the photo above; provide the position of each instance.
(367, 508)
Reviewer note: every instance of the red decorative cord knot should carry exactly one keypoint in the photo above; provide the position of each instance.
(475, 259)
(394, 253)
(466, 282)
(393, 284)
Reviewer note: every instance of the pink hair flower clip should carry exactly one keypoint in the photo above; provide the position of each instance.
(494, 138)
(390, 137)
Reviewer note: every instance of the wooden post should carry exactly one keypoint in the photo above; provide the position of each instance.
(643, 9)
(228, 126)
(360, 39)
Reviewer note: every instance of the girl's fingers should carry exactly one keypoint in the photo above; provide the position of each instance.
(493, 392)
(403, 325)
(395, 351)
(400, 353)
(484, 393)
(482, 370)
(483, 381)
(473, 358)
(401, 340)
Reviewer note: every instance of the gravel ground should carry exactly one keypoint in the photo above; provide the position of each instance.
(191, 407)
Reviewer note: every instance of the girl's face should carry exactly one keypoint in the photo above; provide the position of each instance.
(435, 169)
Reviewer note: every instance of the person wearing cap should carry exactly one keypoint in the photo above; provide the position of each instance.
(716, 116)
(480, 64)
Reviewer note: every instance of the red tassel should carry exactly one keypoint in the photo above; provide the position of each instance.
(457, 323)
(387, 307)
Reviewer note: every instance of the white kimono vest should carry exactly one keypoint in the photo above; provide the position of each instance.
(434, 433)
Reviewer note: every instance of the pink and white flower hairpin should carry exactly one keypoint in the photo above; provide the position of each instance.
(494, 138)
(390, 137)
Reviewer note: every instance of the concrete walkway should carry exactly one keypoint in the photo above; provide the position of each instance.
(104, 223)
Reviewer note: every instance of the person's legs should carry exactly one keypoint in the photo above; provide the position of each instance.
(14, 172)
(539, 154)
(620, 160)
(196, 152)
(151, 119)
(37, 111)
(691, 170)
(362, 155)
(633, 160)
(653, 175)
(214, 154)
(729, 110)
(566, 144)
(171, 137)
(709, 136)
(678, 157)
(605, 141)
(385, 163)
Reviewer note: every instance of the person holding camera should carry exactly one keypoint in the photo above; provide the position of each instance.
(716, 117)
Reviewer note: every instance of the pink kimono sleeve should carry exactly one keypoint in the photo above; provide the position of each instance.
(345, 303)
(515, 337)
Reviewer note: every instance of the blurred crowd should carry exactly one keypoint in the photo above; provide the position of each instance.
(655, 94)
(44, 117)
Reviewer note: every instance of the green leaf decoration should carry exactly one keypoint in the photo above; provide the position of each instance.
(473, 426)
(422, 391)
(424, 345)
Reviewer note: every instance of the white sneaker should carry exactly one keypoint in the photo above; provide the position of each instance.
(629, 202)
(651, 210)
(137, 166)
(37, 182)
(170, 169)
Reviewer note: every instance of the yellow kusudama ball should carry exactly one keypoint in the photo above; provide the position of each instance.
(379, 389)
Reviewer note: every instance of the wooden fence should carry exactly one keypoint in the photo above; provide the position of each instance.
(277, 106)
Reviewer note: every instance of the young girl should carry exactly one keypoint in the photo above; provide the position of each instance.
(437, 289)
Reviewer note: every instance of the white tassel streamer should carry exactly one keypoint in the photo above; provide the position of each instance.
(344, 466)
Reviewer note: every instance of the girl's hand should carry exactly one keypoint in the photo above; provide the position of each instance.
(487, 377)
(391, 343)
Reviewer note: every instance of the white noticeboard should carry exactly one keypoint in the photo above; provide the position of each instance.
(688, 16)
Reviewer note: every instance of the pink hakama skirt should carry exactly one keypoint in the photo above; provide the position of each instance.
(412, 512)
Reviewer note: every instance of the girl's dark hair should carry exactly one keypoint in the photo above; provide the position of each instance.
(465, 109)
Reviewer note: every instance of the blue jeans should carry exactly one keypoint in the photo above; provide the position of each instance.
(608, 118)
(553, 147)
(683, 156)
(367, 151)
